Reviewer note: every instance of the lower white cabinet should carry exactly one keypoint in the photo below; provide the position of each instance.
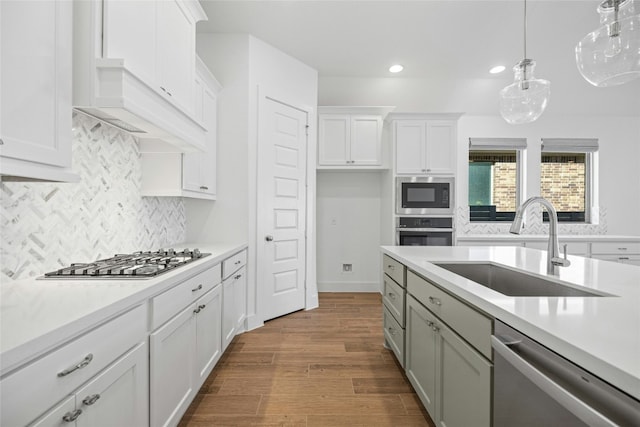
(116, 397)
(451, 378)
(111, 361)
(234, 311)
(182, 354)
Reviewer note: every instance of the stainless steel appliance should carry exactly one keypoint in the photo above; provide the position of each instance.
(533, 386)
(424, 231)
(137, 265)
(425, 195)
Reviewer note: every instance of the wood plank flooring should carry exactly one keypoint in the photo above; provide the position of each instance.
(323, 367)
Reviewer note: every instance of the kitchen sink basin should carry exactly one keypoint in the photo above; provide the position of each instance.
(515, 283)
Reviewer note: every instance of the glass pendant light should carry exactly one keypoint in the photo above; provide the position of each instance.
(526, 98)
(610, 55)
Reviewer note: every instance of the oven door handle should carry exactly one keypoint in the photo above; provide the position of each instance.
(570, 402)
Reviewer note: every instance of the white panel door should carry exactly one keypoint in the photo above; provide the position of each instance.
(410, 141)
(366, 140)
(440, 147)
(282, 148)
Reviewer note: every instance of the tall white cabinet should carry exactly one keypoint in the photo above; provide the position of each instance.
(35, 90)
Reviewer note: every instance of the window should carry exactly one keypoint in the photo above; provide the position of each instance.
(566, 177)
(495, 177)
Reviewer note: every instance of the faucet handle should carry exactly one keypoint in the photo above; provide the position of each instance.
(562, 262)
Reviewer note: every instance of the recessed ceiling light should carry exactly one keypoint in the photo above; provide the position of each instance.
(497, 69)
(396, 68)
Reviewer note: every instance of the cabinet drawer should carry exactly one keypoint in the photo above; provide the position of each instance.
(394, 269)
(169, 303)
(469, 323)
(394, 334)
(234, 263)
(393, 299)
(615, 248)
(29, 392)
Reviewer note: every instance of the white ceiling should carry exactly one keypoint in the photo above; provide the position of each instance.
(432, 39)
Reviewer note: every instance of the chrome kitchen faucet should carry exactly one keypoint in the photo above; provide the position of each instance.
(553, 252)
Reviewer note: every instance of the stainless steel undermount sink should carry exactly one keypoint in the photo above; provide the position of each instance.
(514, 283)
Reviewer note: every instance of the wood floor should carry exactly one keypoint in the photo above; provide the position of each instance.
(323, 367)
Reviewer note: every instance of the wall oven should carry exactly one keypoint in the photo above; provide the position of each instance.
(424, 195)
(533, 386)
(424, 231)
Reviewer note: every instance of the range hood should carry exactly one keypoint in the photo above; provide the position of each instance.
(112, 94)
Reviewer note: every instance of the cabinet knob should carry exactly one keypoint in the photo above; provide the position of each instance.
(237, 276)
(71, 416)
(392, 295)
(88, 358)
(435, 301)
(391, 330)
(391, 267)
(269, 238)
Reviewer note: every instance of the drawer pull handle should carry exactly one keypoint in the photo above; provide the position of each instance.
(71, 416)
(197, 310)
(435, 301)
(623, 258)
(622, 249)
(197, 288)
(435, 329)
(391, 267)
(237, 262)
(433, 326)
(90, 400)
(392, 295)
(237, 276)
(204, 187)
(80, 365)
(201, 307)
(391, 330)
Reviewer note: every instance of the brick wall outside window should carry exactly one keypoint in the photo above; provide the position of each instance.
(504, 187)
(563, 184)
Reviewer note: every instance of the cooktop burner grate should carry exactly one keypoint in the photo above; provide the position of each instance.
(138, 265)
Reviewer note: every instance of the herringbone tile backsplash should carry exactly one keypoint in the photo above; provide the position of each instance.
(49, 225)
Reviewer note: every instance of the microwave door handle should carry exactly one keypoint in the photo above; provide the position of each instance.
(570, 402)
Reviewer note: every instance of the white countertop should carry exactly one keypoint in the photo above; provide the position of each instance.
(588, 238)
(36, 314)
(601, 334)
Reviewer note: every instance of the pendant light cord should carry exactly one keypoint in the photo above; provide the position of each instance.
(525, 29)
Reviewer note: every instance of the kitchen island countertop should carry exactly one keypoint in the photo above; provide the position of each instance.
(600, 334)
(36, 315)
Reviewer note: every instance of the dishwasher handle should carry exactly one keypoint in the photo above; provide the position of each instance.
(574, 405)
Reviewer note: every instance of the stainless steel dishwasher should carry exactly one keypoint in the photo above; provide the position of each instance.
(533, 386)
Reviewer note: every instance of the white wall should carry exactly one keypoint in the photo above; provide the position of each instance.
(348, 209)
(243, 64)
(576, 109)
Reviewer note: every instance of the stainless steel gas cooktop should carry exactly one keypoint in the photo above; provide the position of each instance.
(138, 265)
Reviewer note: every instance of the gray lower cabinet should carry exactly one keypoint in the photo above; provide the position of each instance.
(451, 378)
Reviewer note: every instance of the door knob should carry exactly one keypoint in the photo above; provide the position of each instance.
(269, 238)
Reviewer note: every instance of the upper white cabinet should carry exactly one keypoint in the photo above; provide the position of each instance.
(350, 137)
(189, 174)
(425, 145)
(134, 67)
(35, 90)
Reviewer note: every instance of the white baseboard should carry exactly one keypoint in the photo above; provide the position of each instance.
(348, 287)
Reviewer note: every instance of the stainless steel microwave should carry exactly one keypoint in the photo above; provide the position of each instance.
(425, 195)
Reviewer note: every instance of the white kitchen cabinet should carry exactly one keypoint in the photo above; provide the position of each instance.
(193, 175)
(425, 146)
(134, 67)
(110, 360)
(446, 372)
(172, 363)
(234, 296)
(185, 343)
(622, 252)
(351, 140)
(351, 137)
(208, 334)
(35, 90)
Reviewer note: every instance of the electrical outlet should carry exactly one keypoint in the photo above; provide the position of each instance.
(347, 268)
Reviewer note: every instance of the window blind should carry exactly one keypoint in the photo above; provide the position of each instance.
(569, 145)
(497, 144)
